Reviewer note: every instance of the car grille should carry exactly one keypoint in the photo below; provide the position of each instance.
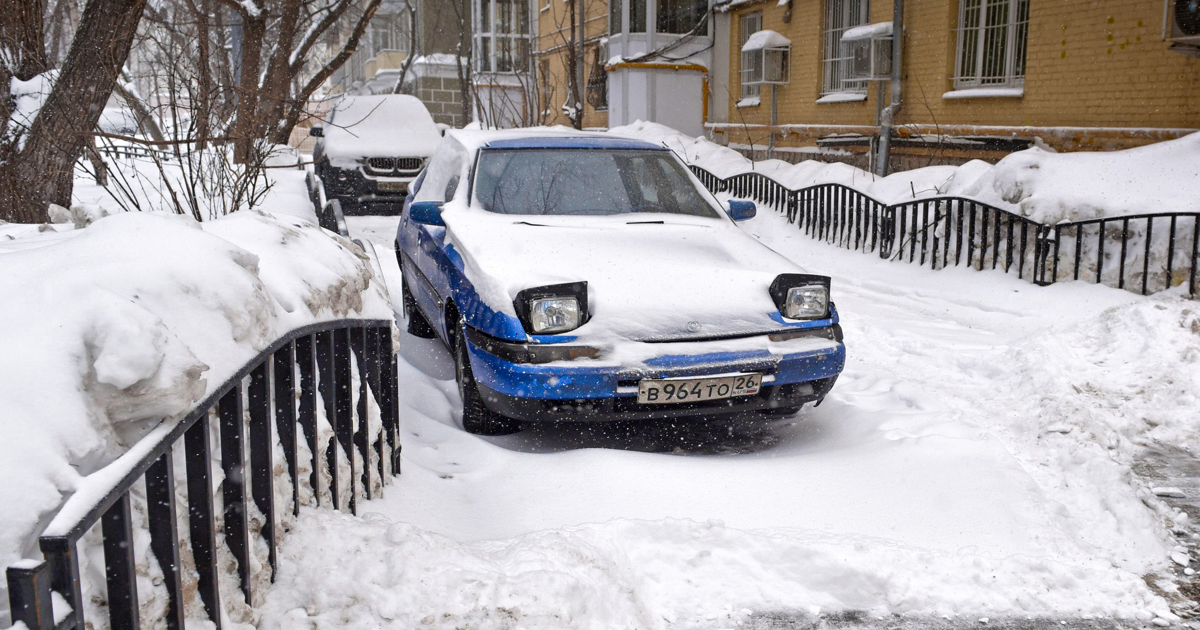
(409, 163)
(403, 166)
(381, 166)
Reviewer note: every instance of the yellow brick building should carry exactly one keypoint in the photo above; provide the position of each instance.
(555, 41)
(1071, 74)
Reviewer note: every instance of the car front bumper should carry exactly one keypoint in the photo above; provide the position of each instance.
(365, 194)
(586, 390)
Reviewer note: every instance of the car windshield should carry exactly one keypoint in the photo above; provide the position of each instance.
(586, 182)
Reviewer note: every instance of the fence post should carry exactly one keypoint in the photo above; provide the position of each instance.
(164, 533)
(63, 556)
(29, 595)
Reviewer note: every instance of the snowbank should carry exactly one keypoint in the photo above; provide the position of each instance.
(1045, 186)
(651, 575)
(111, 328)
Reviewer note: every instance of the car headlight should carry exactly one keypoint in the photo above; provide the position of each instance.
(807, 302)
(552, 309)
(801, 296)
(551, 315)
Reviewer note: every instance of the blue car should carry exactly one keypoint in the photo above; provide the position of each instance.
(590, 277)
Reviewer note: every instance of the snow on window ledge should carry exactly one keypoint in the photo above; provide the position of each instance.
(750, 101)
(843, 97)
(992, 92)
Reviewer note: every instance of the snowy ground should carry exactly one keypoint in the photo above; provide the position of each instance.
(972, 462)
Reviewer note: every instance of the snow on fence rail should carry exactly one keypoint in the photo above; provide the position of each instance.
(320, 359)
(1144, 252)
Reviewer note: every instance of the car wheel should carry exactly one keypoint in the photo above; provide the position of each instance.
(418, 326)
(476, 418)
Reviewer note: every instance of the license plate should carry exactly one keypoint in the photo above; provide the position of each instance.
(682, 390)
(392, 186)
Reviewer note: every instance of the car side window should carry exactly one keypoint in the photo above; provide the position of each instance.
(451, 186)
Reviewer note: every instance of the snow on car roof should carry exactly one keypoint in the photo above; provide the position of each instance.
(546, 138)
(586, 142)
(385, 125)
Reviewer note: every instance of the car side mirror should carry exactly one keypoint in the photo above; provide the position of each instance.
(316, 132)
(742, 210)
(426, 212)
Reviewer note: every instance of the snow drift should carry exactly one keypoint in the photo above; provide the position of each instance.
(109, 329)
(1045, 186)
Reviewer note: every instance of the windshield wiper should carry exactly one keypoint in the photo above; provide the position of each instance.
(645, 222)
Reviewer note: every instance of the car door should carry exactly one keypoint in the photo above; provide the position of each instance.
(426, 263)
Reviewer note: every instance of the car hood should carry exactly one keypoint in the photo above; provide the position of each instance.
(650, 276)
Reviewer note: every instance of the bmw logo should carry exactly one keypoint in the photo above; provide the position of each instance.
(693, 327)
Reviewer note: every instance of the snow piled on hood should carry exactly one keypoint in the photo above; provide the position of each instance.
(1045, 186)
(109, 329)
(386, 125)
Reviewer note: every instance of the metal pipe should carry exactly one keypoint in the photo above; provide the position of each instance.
(889, 113)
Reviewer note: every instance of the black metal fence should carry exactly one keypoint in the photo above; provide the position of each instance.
(283, 381)
(1145, 253)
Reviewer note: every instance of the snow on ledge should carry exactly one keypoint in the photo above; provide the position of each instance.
(877, 30)
(995, 92)
(750, 101)
(843, 97)
(765, 39)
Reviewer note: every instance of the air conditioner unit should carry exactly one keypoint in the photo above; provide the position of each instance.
(1185, 25)
(870, 52)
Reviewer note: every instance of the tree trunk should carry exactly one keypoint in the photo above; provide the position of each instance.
(254, 30)
(21, 37)
(40, 173)
(281, 129)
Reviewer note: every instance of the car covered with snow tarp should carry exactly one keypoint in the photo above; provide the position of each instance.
(580, 276)
(370, 150)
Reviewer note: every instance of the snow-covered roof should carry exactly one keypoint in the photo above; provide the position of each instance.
(868, 31)
(387, 125)
(765, 39)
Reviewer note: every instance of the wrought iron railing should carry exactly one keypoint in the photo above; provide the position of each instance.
(1145, 253)
(284, 381)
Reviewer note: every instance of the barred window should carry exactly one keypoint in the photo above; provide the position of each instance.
(841, 15)
(751, 70)
(501, 35)
(992, 37)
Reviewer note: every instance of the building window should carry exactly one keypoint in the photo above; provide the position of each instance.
(637, 15)
(992, 38)
(501, 35)
(678, 17)
(841, 15)
(751, 70)
(597, 83)
(390, 33)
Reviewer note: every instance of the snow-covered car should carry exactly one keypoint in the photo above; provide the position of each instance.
(591, 277)
(370, 150)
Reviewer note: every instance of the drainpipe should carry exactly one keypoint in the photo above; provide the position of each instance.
(889, 113)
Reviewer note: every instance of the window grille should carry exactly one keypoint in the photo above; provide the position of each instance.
(751, 70)
(992, 37)
(837, 58)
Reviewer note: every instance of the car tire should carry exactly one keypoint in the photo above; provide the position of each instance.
(476, 417)
(418, 326)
